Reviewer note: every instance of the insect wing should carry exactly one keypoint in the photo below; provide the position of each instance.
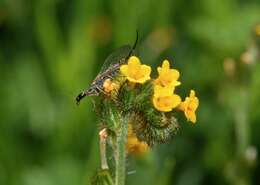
(116, 56)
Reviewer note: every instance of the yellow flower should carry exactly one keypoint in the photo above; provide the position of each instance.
(167, 76)
(135, 71)
(108, 85)
(164, 100)
(257, 30)
(189, 106)
(133, 145)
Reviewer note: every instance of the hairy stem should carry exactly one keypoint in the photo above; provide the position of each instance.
(120, 153)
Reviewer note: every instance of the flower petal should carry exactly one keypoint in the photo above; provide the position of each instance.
(192, 93)
(146, 70)
(192, 117)
(133, 61)
(176, 100)
(163, 91)
(124, 70)
(175, 74)
(159, 104)
(166, 64)
(194, 103)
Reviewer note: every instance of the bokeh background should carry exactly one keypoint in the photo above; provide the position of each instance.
(52, 49)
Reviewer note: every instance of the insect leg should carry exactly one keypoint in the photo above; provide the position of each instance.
(100, 90)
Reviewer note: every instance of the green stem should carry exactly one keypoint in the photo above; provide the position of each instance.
(241, 123)
(120, 153)
(242, 131)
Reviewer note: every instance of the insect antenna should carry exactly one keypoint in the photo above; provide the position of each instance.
(134, 46)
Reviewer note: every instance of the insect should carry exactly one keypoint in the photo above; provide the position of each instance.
(109, 69)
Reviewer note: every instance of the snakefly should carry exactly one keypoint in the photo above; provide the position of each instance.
(109, 69)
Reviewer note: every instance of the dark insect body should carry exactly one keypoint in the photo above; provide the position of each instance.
(109, 69)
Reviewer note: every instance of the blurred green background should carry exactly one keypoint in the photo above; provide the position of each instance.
(52, 49)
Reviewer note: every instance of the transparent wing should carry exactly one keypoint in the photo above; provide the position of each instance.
(116, 56)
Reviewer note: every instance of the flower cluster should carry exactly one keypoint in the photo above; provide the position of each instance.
(164, 97)
(136, 111)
